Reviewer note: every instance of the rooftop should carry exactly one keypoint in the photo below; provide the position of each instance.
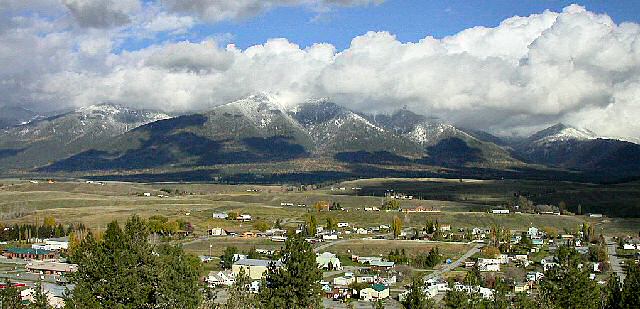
(256, 262)
(27, 251)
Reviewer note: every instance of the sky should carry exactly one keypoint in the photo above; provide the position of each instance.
(506, 67)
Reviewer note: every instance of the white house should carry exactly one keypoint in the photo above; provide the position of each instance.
(628, 247)
(217, 231)
(329, 237)
(343, 224)
(220, 216)
(343, 280)
(533, 232)
(220, 278)
(489, 267)
(53, 244)
(500, 211)
(362, 231)
(243, 218)
(329, 261)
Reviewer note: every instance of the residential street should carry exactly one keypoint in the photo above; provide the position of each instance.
(455, 264)
(616, 267)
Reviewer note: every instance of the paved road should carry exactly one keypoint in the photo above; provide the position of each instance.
(616, 267)
(458, 262)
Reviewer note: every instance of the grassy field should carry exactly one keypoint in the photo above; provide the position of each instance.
(96, 205)
(616, 200)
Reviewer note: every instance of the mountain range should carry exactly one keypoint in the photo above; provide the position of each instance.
(259, 135)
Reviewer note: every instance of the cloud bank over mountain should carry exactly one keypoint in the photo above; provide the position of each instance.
(574, 66)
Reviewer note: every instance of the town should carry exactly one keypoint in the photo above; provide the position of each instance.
(368, 250)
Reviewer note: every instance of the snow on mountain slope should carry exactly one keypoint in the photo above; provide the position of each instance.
(561, 133)
(59, 136)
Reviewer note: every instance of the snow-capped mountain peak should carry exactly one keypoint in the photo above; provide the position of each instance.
(561, 133)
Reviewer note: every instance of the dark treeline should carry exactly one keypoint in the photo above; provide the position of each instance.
(20, 232)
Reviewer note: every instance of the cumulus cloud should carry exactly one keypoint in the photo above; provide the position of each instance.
(102, 13)
(573, 66)
(215, 10)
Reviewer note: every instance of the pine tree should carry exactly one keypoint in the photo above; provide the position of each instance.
(297, 283)
(122, 270)
(239, 295)
(567, 286)
(631, 289)
(416, 298)
(226, 260)
(10, 296)
(613, 293)
(40, 300)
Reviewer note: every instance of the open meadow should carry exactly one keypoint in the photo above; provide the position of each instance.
(95, 205)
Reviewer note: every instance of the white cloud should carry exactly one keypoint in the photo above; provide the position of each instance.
(572, 66)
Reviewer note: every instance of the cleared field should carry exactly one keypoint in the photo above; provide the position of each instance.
(96, 205)
(376, 247)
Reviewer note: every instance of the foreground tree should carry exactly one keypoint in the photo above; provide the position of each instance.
(416, 298)
(10, 296)
(297, 283)
(124, 271)
(568, 286)
(238, 294)
(630, 297)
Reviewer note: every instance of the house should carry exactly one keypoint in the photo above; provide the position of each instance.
(254, 268)
(365, 259)
(489, 267)
(220, 216)
(628, 247)
(278, 238)
(248, 235)
(217, 231)
(380, 265)
(520, 287)
(220, 278)
(53, 244)
(243, 218)
(362, 231)
(366, 279)
(343, 224)
(595, 215)
(147, 194)
(330, 237)
(328, 261)
(500, 211)
(548, 264)
(50, 268)
(534, 276)
(29, 254)
(374, 293)
(343, 280)
(445, 228)
(533, 232)
(469, 264)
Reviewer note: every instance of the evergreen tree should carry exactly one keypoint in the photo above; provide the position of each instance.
(416, 298)
(567, 286)
(10, 296)
(226, 260)
(122, 270)
(456, 299)
(238, 294)
(297, 283)
(631, 289)
(613, 293)
(40, 300)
